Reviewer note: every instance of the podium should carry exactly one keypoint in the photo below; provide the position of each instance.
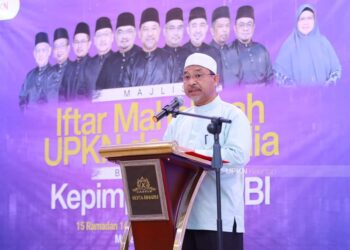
(160, 184)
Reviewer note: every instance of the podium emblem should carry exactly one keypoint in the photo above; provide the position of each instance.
(144, 190)
(143, 186)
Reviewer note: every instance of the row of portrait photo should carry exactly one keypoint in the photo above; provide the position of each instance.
(305, 58)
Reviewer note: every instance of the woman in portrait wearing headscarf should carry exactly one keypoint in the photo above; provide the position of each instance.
(307, 57)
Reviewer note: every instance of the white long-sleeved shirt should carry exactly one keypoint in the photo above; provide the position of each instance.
(235, 140)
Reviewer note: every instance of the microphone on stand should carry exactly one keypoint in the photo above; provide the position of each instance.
(167, 109)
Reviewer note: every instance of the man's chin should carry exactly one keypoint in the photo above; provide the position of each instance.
(197, 43)
(224, 39)
(123, 47)
(244, 41)
(149, 49)
(175, 43)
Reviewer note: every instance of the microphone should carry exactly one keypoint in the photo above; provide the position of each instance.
(167, 109)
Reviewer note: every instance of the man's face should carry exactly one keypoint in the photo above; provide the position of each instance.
(42, 53)
(103, 41)
(200, 85)
(244, 29)
(306, 22)
(197, 30)
(149, 35)
(125, 37)
(61, 50)
(81, 44)
(221, 30)
(173, 33)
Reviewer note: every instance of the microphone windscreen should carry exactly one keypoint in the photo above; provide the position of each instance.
(180, 100)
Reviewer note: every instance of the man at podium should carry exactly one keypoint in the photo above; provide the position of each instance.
(200, 80)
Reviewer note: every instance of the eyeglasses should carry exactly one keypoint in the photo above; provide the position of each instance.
(125, 32)
(103, 34)
(60, 46)
(173, 28)
(196, 76)
(80, 41)
(243, 25)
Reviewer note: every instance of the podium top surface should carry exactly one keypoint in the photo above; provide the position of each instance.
(151, 148)
(118, 152)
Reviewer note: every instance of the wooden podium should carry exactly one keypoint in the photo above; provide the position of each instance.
(160, 184)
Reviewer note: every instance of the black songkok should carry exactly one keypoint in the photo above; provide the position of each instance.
(41, 37)
(125, 19)
(197, 12)
(174, 14)
(103, 22)
(82, 28)
(220, 12)
(60, 33)
(150, 14)
(245, 11)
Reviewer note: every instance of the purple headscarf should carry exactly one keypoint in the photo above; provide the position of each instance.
(307, 59)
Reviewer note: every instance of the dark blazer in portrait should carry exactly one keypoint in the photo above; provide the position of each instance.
(93, 69)
(55, 80)
(73, 84)
(180, 55)
(114, 69)
(255, 63)
(33, 89)
(231, 66)
(150, 68)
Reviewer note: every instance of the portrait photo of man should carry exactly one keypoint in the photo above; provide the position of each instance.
(33, 89)
(152, 65)
(114, 69)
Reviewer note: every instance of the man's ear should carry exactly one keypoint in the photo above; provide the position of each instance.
(216, 79)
